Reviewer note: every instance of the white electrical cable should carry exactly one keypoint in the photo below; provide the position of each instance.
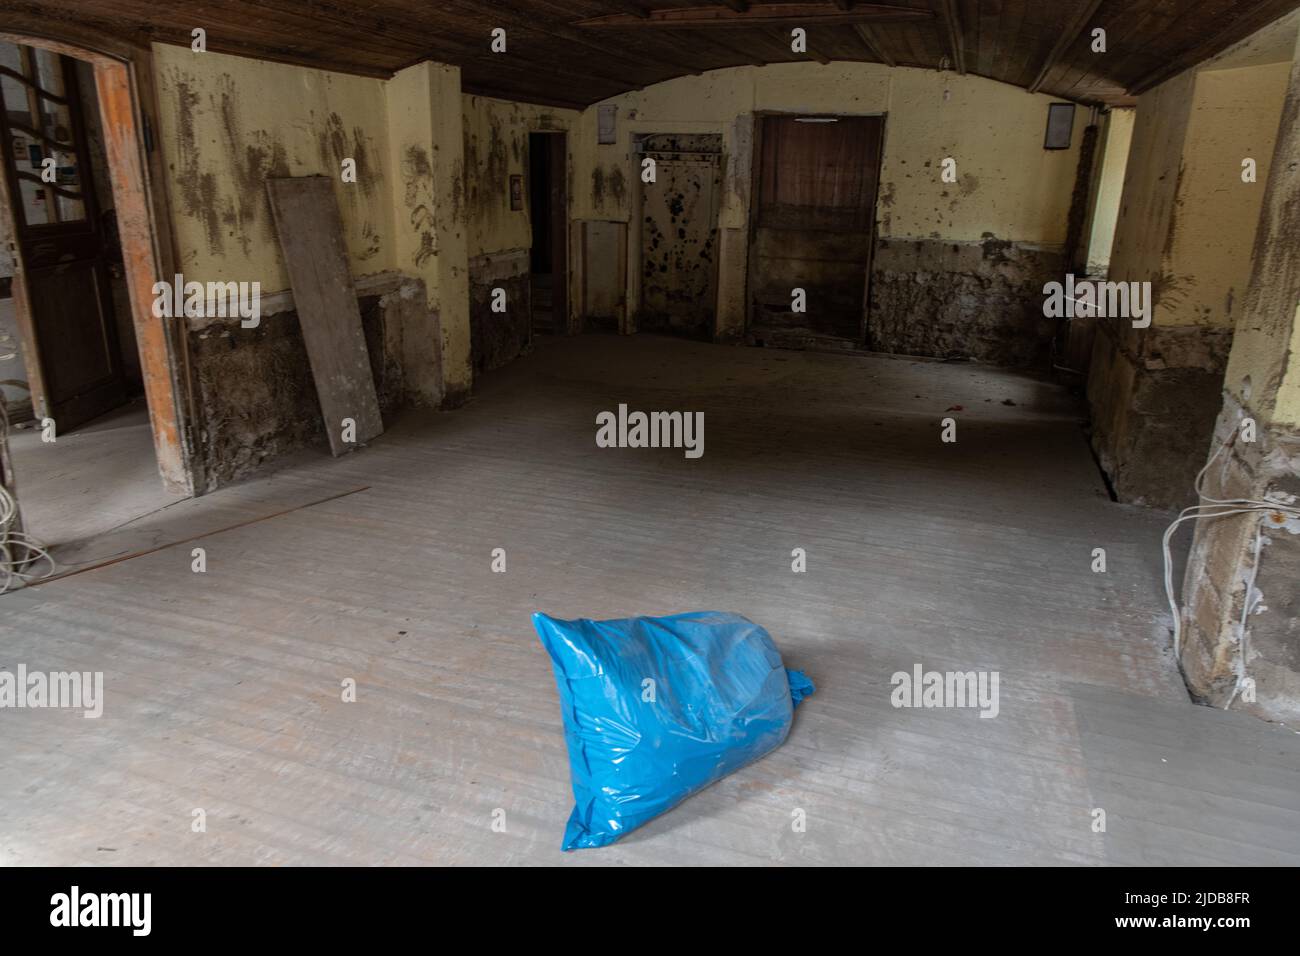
(1247, 605)
(20, 553)
(1223, 507)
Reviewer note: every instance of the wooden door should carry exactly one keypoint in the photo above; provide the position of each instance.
(679, 235)
(62, 288)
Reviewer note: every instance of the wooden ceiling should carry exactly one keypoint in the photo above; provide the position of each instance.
(576, 52)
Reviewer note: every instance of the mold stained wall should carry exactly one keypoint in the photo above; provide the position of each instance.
(1009, 188)
(496, 148)
(430, 219)
(1236, 555)
(1187, 224)
(1234, 115)
(228, 123)
(1263, 371)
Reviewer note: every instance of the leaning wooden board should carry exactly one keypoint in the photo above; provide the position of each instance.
(311, 237)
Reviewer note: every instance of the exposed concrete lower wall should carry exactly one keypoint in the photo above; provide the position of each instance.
(980, 300)
(256, 396)
(1223, 561)
(1154, 395)
(498, 337)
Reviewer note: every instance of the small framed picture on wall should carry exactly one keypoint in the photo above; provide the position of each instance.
(516, 192)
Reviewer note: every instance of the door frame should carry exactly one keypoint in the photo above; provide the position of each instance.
(127, 97)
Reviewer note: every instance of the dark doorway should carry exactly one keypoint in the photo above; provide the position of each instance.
(548, 217)
(53, 153)
(814, 229)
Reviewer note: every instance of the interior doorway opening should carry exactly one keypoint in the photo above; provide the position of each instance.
(82, 448)
(813, 229)
(548, 219)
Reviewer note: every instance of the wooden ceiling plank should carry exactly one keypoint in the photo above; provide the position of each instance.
(767, 14)
(956, 44)
(474, 88)
(813, 51)
(873, 44)
(1083, 15)
(988, 35)
(1234, 30)
(741, 54)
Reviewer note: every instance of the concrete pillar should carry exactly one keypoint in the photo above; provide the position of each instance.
(1262, 383)
(426, 151)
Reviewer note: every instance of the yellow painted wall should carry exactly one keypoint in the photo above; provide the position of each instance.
(1187, 220)
(496, 148)
(1234, 115)
(1264, 367)
(1008, 184)
(1286, 411)
(425, 148)
(227, 123)
(1151, 182)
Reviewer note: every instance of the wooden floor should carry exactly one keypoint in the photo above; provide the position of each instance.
(223, 689)
(89, 481)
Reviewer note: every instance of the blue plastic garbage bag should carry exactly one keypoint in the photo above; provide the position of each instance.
(656, 708)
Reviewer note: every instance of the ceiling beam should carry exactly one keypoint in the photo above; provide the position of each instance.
(757, 15)
(740, 6)
(952, 24)
(844, 4)
(712, 45)
(873, 44)
(1068, 35)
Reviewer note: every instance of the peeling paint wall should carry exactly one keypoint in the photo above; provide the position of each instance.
(228, 123)
(499, 238)
(1009, 188)
(1229, 580)
(426, 154)
(496, 148)
(256, 386)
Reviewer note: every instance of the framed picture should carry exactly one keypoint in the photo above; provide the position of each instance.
(1060, 126)
(516, 192)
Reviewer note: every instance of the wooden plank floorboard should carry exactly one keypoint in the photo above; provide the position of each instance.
(223, 689)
